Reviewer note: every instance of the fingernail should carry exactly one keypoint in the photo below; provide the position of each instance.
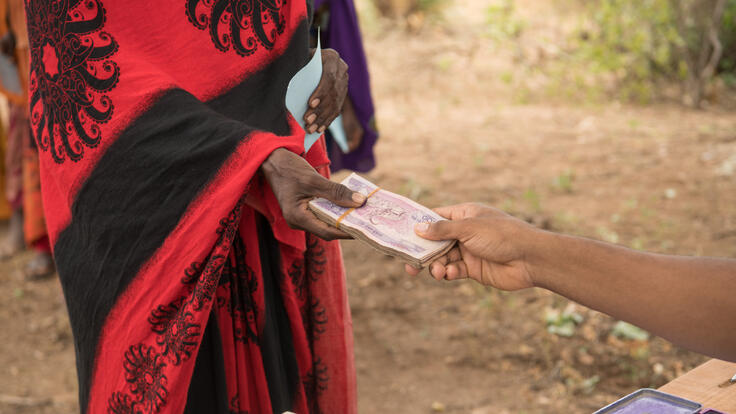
(359, 198)
(312, 129)
(311, 118)
(322, 129)
(421, 227)
(314, 103)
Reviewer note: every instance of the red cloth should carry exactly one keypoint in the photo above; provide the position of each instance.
(152, 120)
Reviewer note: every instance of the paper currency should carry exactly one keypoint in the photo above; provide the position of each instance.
(386, 222)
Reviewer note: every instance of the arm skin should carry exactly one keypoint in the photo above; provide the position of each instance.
(690, 301)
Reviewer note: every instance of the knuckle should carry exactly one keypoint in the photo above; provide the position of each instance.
(314, 181)
(326, 116)
(340, 191)
(438, 227)
(476, 208)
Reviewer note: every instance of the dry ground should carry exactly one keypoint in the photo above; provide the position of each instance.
(659, 177)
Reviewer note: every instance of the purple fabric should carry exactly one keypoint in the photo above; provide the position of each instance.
(343, 34)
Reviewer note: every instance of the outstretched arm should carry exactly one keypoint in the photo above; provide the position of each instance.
(690, 301)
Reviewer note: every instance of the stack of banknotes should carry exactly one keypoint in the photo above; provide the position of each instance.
(385, 222)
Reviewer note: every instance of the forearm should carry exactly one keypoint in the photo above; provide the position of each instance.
(689, 301)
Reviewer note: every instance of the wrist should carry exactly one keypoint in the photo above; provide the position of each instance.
(273, 160)
(539, 250)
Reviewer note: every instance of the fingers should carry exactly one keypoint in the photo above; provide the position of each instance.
(325, 103)
(303, 219)
(449, 212)
(442, 230)
(319, 105)
(310, 116)
(436, 270)
(448, 267)
(413, 271)
(456, 270)
(465, 210)
(324, 231)
(338, 193)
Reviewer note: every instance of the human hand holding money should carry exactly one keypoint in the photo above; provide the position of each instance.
(493, 247)
(295, 182)
(385, 222)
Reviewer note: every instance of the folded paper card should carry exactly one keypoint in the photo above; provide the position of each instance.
(300, 88)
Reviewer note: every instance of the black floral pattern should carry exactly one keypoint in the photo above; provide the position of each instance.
(315, 258)
(242, 284)
(317, 318)
(315, 384)
(296, 274)
(176, 329)
(235, 406)
(121, 403)
(144, 372)
(204, 289)
(243, 25)
(71, 73)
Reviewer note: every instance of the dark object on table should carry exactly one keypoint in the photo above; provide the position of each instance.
(649, 401)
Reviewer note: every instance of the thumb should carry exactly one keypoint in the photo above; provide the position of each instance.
(441, 230)
(340, 195)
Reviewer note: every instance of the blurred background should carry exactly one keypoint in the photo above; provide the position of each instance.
(603, 118)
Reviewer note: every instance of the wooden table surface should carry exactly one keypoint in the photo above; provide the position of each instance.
(702, 385)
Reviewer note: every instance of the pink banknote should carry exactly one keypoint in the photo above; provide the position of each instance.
(387, 218)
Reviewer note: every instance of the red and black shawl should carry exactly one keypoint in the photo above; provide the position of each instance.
(186, 290)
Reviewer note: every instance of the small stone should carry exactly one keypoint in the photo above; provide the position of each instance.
(438, 407)
(525, 350)
(542, 400)
(658, 368)
(585, 358)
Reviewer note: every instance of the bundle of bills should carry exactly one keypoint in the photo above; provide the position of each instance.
(386, 222)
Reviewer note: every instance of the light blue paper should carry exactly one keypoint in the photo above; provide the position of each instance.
(337, 130)
(298, 92)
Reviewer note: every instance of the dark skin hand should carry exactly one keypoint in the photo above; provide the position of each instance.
(295, 183)
(327, 100)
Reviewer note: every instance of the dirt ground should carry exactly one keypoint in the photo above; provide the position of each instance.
(657, 177)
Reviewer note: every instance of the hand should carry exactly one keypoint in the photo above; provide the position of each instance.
(326, 101)
(295, 182)
(491, 246)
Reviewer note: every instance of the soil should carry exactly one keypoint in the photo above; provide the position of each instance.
(657, 177)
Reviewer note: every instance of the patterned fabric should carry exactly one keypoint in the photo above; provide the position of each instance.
(152, 119)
